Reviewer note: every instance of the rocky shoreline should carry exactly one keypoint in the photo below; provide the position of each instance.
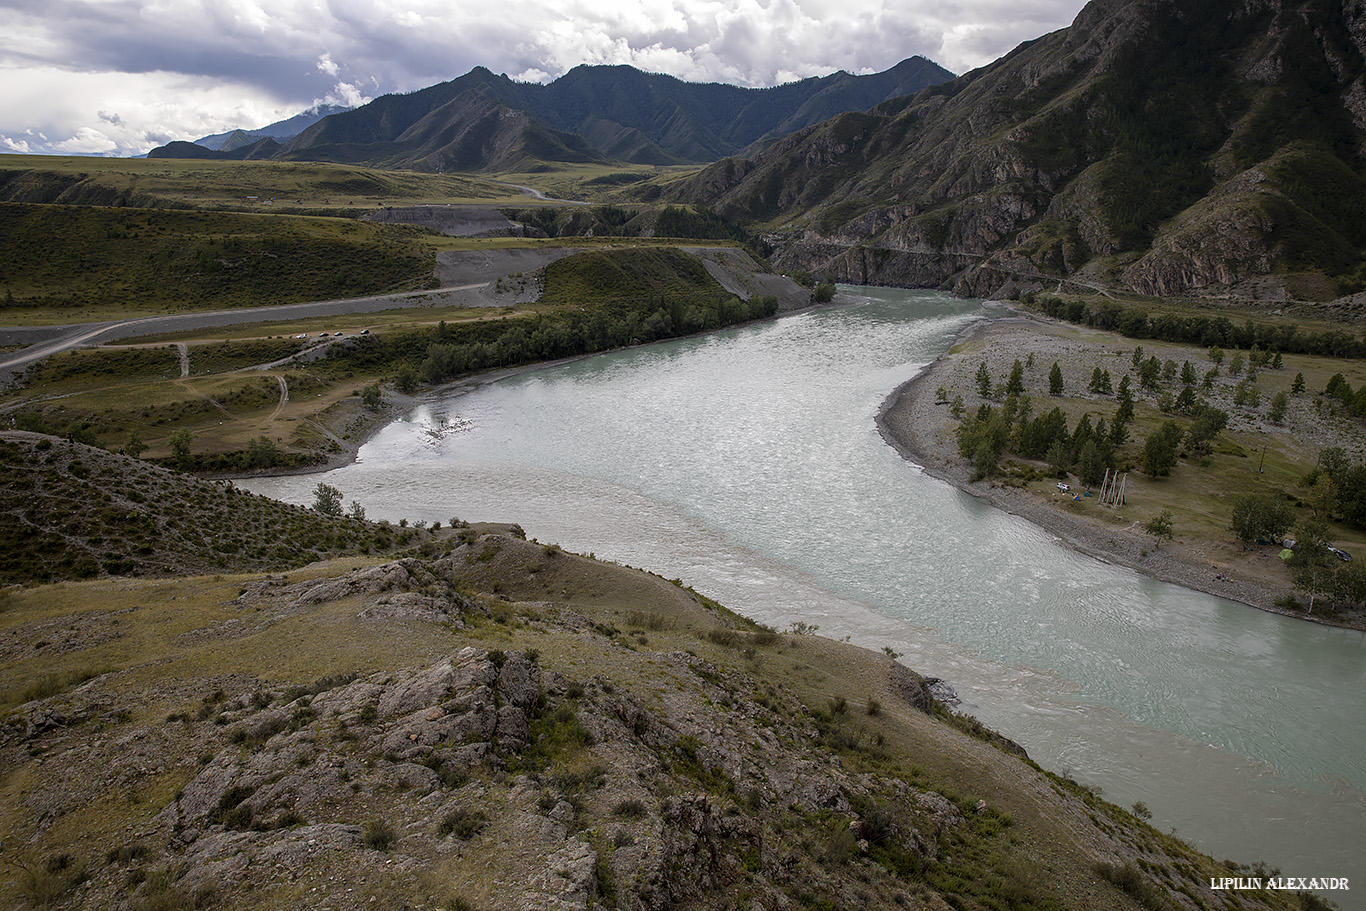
(922, 429)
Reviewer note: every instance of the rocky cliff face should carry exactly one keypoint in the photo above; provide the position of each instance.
(1139, 147)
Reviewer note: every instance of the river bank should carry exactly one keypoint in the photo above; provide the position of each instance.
(350, 425)
(918, 423)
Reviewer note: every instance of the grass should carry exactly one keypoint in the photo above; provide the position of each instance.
(1198, 495)
(217, 184)
(350, 323)
(997, 858)
(596, 182)
(87, 263)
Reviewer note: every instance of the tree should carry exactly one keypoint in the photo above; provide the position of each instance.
(824, 293)
(983, 380)
(180, 448)
(1311, 542)
(1055, 380)
(1149, 372)
(1015, 384)
(134, 447)
(1333, 462)
(1209, 423)
(1235, 364)
(1323, 496)
(1297, 387)
(1090, 466)
(1260, 518)
(1314, 579)
(1216, 354)
(983, 462)
(1039, 435)
(1083, 432)
(406, 380)
(1126, 401)
(1160, 527)
(987, 428)
(372, 397)
(1312, 562)
(327, 499)
(1059, 458)
(1279, 402)
(1159, 450)
(1187, 374)
(356, 511)
(1138, 356)
(261, 453)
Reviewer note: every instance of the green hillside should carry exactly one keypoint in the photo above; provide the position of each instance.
(75, 257)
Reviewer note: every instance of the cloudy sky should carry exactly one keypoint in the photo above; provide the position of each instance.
(118, 77)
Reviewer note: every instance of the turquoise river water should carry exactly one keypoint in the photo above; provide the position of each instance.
(748, 464)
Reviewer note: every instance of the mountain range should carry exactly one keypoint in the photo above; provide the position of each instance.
(280, 130)
(1206, 147)
(1202, 146)
(482, 121)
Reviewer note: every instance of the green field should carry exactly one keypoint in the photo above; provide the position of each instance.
(256, 185)
(81, 263)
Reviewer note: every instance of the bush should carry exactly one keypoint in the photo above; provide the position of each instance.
(462, 823)
(378, 835)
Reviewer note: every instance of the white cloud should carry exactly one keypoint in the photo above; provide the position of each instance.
(87, 141)
(344, 94)
(123, 113)
(123, 71)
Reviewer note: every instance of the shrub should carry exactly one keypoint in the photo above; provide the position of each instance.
(462, 823)
(378, 835)
(631, 808)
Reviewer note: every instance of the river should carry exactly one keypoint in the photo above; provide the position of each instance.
(748, 464)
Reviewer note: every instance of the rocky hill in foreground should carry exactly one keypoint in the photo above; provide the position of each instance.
(491, 723)
(1210, 147)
